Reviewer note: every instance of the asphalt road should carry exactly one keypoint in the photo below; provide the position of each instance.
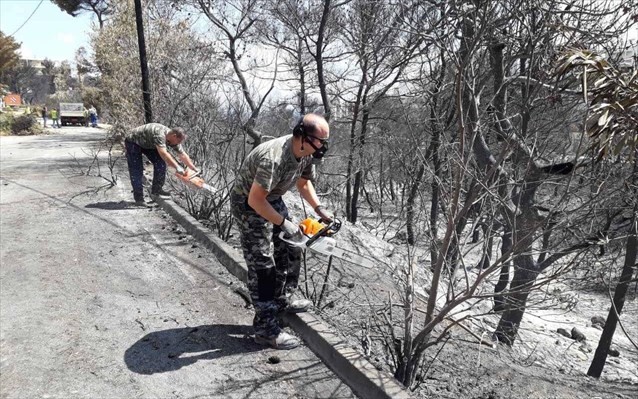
(102, 300)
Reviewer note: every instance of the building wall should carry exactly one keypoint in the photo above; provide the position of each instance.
(629, 57)
(33, 63)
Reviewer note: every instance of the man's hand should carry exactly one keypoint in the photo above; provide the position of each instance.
(324, 214)
(289, 228)
(181, 170)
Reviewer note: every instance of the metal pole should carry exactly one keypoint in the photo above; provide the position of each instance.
(146, 91)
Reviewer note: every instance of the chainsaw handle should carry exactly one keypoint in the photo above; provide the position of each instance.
(329, 229)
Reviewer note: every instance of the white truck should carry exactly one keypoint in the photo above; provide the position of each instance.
(72, 113)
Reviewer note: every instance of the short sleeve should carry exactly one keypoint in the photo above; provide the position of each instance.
(265, 173)
(159, 138)
(309, 172)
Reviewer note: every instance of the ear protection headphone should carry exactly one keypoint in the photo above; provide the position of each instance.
(299, 130)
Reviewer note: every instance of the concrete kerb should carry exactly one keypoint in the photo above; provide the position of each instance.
(358, 373)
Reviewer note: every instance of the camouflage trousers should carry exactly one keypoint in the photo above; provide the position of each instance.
(273, 265)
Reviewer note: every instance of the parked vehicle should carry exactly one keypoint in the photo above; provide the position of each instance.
(72, 113)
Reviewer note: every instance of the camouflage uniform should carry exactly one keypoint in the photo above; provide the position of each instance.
(273, 265)
(143, 140)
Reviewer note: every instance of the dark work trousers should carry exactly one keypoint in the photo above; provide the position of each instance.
(136, 168)
(273, 265)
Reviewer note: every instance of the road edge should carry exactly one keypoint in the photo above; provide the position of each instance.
(352, 368)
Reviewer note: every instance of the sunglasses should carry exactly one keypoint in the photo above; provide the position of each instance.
(320, 140)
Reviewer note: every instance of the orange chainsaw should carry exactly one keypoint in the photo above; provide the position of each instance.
(193, 178)
(318, 237)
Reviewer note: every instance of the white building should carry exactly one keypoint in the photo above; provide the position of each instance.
(35, 64)
(629, 57)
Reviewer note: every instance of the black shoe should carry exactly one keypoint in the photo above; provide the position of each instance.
(161, 193)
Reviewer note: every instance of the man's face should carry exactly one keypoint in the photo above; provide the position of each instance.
(315, 137)
(172, 139)
(320, 138)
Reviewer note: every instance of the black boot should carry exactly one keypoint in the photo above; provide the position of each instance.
(160, 192)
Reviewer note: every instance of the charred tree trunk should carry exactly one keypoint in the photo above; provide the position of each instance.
(504, 277)
(358, 181)
(526, 270)
(323, 86)
(454, 251)
(353, 148)
(486, 261)
(414, 190)
(524, 276)
(302, 77)
(600, 356)
(393, 195)
(381, 181)
(433, 153)
(434, 206)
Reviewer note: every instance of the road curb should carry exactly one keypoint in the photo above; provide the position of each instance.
(358, 373)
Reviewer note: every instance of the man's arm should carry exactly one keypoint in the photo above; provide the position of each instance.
(307, 191)
(257, 201)
(183, 156)
(168, 158)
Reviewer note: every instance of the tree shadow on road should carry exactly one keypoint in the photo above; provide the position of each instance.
(170, 350)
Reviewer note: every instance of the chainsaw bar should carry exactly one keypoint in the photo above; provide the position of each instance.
(323, 244)
(326, 246)
(194, 179)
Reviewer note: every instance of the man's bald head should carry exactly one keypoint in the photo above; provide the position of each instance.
(316, 125)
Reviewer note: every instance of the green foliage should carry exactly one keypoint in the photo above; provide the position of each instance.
(24, 125)
(82, 62)
(73, 96)
(612, 97)
(93, 96)
(20, 79)
(116, 57)
(21, 125)
(9, 56)
(6, 120)
(71, 7)
(101, 8)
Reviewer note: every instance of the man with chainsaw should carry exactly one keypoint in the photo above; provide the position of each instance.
(152, 140)
(268, 172)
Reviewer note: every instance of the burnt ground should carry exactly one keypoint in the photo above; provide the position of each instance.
(49, 348)
(542, 364)
(459, 373)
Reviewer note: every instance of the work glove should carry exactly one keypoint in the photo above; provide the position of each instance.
(289, 228)
(325, 215)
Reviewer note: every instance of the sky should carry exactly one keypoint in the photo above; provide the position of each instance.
(49, 33)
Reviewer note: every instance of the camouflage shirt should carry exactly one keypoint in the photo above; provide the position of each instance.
(273, 166)
(151, 135)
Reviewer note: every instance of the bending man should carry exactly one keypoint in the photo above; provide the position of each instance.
(268, 172)
(152, 140)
